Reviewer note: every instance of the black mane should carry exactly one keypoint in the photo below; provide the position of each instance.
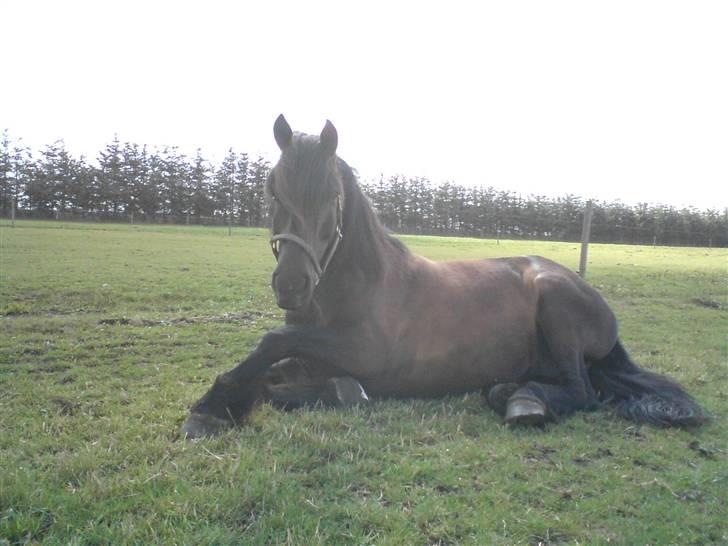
(366, 240)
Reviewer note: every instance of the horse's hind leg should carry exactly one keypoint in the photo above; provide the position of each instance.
(536, 402)
(569, 319)
(294, 382)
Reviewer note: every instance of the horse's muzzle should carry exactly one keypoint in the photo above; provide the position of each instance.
(292, 291)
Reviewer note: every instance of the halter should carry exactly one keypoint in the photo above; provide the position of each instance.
(320, 268)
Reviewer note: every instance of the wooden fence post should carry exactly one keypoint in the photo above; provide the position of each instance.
(585, 235)
(230, 200)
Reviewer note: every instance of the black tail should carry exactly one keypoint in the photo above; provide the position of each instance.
(643, 396)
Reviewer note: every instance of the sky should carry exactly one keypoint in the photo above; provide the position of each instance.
(619, 100)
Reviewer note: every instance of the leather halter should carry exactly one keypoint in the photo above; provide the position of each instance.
(319, 268)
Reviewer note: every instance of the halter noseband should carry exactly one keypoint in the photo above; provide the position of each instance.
(319, 268)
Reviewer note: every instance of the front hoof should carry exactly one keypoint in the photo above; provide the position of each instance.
(347, 391)
(525, 410)
(200, 425)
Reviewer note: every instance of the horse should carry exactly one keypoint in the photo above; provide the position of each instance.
(365, 316)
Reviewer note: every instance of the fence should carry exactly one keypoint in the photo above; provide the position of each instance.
(503, 227)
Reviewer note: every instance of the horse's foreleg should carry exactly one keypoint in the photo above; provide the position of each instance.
(234, 393)
(294, 382)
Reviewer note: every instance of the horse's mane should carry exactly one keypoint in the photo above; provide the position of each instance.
(367, 243)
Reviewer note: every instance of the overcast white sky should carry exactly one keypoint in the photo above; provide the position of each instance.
(611, 100)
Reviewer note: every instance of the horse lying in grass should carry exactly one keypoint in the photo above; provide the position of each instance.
(366, 315)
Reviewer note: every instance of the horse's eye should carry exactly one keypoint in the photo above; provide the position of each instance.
(280, 216)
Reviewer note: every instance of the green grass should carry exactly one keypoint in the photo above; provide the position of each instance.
(109, 333)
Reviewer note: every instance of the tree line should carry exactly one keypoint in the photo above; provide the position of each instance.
(133, 183)
(414, 205)
(129, 182)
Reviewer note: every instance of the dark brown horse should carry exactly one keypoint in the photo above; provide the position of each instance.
(365, 315)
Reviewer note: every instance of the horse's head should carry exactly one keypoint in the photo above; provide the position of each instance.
(307, 197)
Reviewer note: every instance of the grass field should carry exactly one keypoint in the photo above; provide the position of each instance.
(108, 334)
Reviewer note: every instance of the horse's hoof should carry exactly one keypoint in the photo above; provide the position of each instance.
(498, 396)
(347, 391)
(200, 425)
(525, 410)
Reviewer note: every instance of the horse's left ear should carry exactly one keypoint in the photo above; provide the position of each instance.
(329, 139)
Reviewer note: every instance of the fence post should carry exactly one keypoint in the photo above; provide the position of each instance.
(585, 235)
(230, 199)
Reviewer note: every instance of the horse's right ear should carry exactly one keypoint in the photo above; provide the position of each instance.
(282, 132)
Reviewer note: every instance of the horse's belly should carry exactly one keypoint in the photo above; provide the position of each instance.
(463, 326)
(458, 368)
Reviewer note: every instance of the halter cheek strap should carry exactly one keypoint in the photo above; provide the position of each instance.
(319, 268)
(275, 245)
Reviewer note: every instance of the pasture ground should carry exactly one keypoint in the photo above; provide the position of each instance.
(108, 333)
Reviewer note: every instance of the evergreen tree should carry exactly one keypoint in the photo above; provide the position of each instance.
(175, 184)
(6, 175)
(203, 204)
(50, 188)
(110, 178)
(255, 201)
(23, 172)
(134, 169)
(224, 179)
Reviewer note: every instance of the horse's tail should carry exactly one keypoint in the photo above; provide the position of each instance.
(643, 396)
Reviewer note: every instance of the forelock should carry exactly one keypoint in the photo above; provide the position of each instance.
(303, 177)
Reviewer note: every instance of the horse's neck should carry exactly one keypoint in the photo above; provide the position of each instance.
(341, 297)
(358, 268)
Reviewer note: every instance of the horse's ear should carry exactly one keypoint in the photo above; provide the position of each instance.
(329, 139)
(282, 132)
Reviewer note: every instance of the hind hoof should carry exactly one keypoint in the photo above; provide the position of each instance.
(200, 425)
(498, 396)
(525, 410)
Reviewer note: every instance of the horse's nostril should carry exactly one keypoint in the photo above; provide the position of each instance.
(291, 284)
